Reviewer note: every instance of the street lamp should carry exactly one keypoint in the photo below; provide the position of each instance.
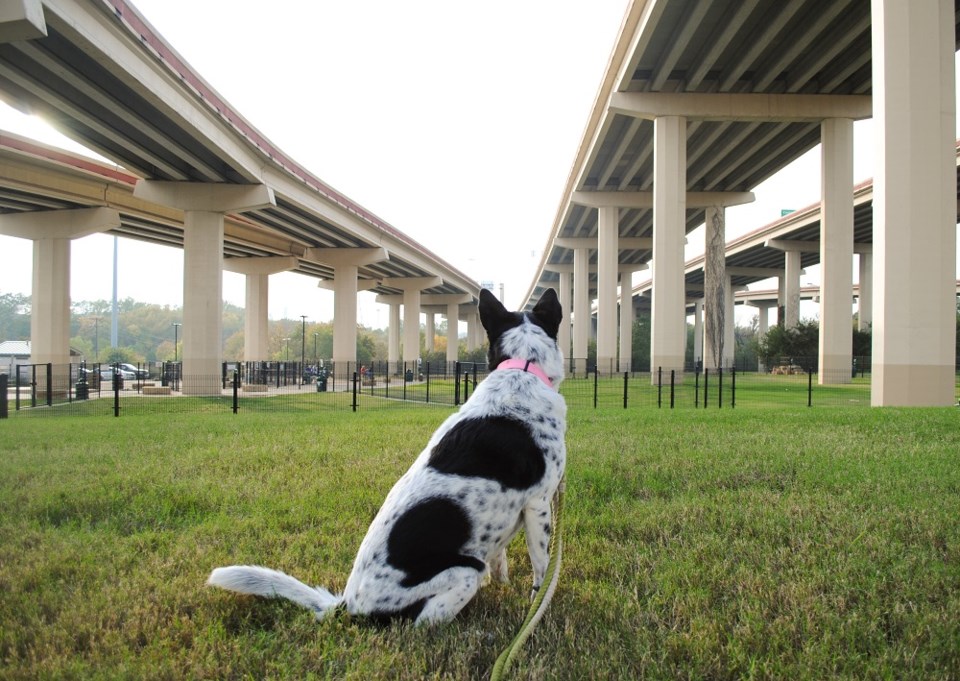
(303, 345)
(176, 328)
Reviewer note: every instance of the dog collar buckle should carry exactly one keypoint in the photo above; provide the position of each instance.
(528, 366)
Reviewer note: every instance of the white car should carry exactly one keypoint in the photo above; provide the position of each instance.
(106, 374)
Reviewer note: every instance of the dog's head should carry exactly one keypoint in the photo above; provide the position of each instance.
(524, 335)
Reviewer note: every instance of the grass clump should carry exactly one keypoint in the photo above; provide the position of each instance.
(720, 544)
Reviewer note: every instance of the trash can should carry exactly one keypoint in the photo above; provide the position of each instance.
(82, 389)
(322, 382)
(408, 376)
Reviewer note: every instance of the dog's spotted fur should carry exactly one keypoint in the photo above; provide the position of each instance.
(490, 469)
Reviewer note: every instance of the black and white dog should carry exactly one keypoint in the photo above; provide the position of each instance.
(490, 469)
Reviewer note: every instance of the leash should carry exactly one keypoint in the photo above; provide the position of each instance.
(543, 597)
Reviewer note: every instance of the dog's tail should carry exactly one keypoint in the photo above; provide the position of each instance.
(261, 581)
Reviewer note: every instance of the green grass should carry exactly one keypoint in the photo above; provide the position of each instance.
(698, 544)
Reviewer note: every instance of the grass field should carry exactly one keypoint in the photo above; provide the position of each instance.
(716, 544)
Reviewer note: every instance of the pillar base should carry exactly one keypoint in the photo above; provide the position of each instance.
(897, 385)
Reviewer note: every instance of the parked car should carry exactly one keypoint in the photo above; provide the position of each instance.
(138, 373)
(106, 373)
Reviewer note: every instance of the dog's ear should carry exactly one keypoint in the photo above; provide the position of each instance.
(494, 316)
(549, 313)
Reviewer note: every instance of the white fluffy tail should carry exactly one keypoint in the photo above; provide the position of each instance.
(261, 581)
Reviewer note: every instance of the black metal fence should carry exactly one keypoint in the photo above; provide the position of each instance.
(288, 386)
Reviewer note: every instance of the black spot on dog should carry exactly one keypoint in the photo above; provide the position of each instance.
(496, 448)
(409, 612)
(428, 539)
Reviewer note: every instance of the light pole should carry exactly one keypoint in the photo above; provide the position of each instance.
(303, 345)
(176, 328)
(96, 338)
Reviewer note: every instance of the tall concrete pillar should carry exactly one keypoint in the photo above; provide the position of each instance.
(698, 331)
(914, 207)
(346, 263)
(453, 337)
(716, 290)
(472, 324)
(836, 251)
(412, 288)
(729, 328)
(608, 234)
(257, 272)
(626, 320)
(563, 335)
(791, 289)
(51, 232)
(430, 330)
(204, 206)
(865, 299)
(669, 221)
(581, 308)
(393, 334)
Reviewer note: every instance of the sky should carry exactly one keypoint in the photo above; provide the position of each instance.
(457, 123)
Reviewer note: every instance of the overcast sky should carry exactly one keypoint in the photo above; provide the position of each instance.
(457, 123)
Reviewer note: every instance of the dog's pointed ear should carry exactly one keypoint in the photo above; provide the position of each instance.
(549, 312)
(493, 315)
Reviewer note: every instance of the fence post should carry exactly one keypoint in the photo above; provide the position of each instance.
(116, 390)
(596, 374)
(659, 387)
(672, 379)
(428, 383)
(456, 384)
(809, 387)
(706, 387)
(404, 381)
(719, 387)
(49, 384)
(696, 389)
(4, 407)
(355, 391)
(236, 387)
(625, 375)
(733, 388)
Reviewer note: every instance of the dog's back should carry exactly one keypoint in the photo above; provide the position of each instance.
(490, 469)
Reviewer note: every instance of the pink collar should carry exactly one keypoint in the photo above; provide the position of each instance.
(528, 366)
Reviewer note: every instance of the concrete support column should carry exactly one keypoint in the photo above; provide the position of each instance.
(698, 331)
(204, 205)
(865, 299)
(914, 208)
(729, 327)
(51, 232)
(581, 309)
(430, 330)
(50, 302)
(669, 221)
(203, 302)
(836, 251)
(346, 263)
(608, 234)
(716, 290)
(257, 272)
(791, 289)
(563, 335)
(626, 321)
(411, 287)
(453, 337)
(393, 335)
(473, 321)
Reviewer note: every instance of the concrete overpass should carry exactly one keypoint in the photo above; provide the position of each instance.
(206, 179)
(704, 99)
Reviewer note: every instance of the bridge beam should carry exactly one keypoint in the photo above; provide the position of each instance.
(741, 106)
